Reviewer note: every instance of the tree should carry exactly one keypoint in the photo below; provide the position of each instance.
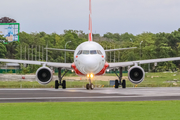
(160, 45)
(3, 50)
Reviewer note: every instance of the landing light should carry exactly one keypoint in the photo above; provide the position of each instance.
(87, 75)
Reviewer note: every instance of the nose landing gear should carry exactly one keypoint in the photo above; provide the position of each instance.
(89, 85)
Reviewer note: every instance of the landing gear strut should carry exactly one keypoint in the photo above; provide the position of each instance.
(120, 82)
(60, 82)
(89, 85)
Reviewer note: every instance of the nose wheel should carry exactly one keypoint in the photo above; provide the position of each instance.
(89, 86)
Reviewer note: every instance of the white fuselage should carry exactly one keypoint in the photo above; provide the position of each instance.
(89, 58)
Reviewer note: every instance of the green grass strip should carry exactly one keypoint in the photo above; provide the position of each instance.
(146, 110)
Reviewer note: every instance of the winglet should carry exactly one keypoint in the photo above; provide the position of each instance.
(90, 22)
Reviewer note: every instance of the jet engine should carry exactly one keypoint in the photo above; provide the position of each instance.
(136, 74)
(44, 75)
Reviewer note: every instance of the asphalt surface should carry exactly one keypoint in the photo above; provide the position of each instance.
(81, 94)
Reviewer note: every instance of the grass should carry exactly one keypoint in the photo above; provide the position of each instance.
(151, 80)
(161, 80)
(147, 110)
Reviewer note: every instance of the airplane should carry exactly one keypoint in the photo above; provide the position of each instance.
(90, 60)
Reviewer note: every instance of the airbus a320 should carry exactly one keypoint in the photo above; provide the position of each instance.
(90, 60)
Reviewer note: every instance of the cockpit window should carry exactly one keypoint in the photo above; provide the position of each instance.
(86, 52)
(80, 52)
(99, 52)
(93, 52)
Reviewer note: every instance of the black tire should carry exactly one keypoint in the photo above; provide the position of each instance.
(116, 84)
(124, 84)
(91, 86)
(56, 84)
(63, 84)
(87, 86)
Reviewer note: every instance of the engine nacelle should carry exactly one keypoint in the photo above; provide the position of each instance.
(136, 74)
(44, 75)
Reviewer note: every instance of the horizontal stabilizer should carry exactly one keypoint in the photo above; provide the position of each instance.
(120, 49)
(60, 49)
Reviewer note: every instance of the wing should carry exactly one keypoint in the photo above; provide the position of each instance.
(130, 63)
(53, 64)
(60, 49)
(120, 49)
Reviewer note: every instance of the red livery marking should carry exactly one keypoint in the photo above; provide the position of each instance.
(76, 70)
(76, 56)
(90, 21)
(104, 69)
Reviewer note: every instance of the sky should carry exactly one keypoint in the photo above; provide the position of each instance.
(115, 16)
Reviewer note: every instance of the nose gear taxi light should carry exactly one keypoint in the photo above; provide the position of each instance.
(91, 75)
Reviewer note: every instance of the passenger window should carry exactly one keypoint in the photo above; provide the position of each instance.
(93, 52)
(86, 52)
(99, 52)
(80, 52)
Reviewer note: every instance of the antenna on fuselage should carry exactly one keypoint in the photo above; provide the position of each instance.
(90, 22)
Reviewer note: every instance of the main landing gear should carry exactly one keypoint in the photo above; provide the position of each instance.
(120, 82)
(60, 82)
(89, 85)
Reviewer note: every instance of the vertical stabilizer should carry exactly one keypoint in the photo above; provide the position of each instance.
(90, 22)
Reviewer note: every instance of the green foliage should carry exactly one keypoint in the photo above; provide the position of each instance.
(3, 50)
(10, 71)
(25, 70)
(2, 39)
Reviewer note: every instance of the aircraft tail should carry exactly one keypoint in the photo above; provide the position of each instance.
(90, 22)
